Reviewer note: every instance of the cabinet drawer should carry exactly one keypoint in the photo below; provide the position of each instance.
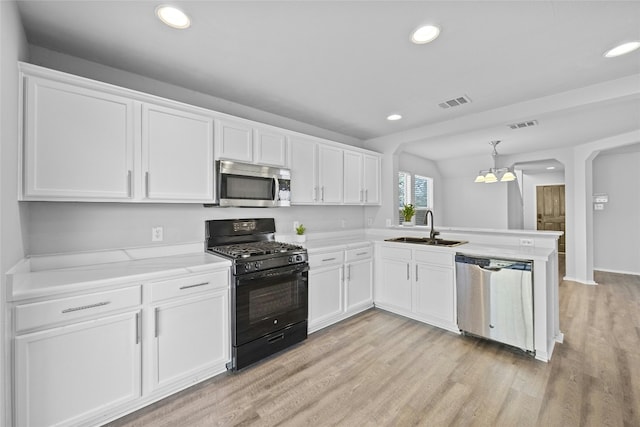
(40, 314)
(359, 253)
(434, 257)
(403, 254)
(326, 258)
(189, 285)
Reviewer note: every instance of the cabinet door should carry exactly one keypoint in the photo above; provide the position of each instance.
(330, 174)
(191, 334)
(304, 172)
(434, 293)
(359, 284)
(371, 179)
(325, 295)
(395, 287)
(270, 148)
(177, 154)
(78, 143)
(353, 188)
(234, 141)
(67, 374)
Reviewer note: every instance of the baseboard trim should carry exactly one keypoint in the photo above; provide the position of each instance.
(573, 279)
(607, 270)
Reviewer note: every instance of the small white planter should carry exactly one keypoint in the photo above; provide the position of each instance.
(407, 224)
(300, 238)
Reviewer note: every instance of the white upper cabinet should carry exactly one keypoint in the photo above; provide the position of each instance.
(270, 147)
(330, 174)
(84, 140)
(353, 188)
(78, 142)
(244, 142)
(234, 140)
(304, 171)
(371, 179)
(316, 172)
(177, 154)
(88, 141)
(326, 173)
(361, 178)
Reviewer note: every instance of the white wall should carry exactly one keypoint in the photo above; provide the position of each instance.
(13, 47)
(470, 204)
(57, 227)
(529, 184)
(616, 229)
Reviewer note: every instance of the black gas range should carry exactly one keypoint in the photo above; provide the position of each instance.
(269, 287)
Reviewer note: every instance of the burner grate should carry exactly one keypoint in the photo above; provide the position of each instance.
(246, 250)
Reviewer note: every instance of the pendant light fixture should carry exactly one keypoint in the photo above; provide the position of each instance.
(495, 174)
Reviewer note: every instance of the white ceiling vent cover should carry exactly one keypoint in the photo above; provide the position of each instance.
(455, 102)
(521, 125)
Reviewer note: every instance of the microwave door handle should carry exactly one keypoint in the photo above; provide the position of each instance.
(276, 189)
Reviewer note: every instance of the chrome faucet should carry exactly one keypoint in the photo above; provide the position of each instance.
(433, 233)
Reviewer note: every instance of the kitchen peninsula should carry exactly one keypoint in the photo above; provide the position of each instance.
(398, 279)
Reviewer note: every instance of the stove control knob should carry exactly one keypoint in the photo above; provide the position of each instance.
(257, 265)
(247, 266)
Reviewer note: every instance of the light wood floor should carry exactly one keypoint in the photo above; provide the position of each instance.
(379, 369)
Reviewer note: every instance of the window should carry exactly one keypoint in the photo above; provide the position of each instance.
(420, 194)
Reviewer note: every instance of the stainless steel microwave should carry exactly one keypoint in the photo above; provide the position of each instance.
(248, 185)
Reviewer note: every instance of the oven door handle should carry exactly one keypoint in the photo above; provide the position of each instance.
(275, 272)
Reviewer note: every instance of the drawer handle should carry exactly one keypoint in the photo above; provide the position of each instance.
(276, 338)
(85, 307)
(194, 286)
(362, 253)
(328, 259)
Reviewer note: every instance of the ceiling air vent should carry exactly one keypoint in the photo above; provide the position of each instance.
(455, 102)
(521, 125)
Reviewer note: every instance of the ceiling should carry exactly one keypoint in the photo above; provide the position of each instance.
(345, 65)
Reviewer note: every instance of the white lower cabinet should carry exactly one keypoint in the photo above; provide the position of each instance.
(417, 283)
(393, 279)
(326, 295)
(70, 373)
(433, 295)
(86, 359)
(340, 285)
(190, 333)
(359, 279)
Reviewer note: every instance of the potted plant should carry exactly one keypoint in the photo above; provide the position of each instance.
(300, 237)
(408, 211)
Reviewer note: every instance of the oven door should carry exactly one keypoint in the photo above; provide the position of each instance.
(265, 302)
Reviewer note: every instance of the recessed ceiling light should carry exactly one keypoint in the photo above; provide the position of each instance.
(550, 167)
(173, 17)
(393, 117)
(425, 34)
(622, 49)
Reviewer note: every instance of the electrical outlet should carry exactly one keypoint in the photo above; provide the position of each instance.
(369, 222)
(526, 242)
(296, 224)
(157, 234)
(343, 223)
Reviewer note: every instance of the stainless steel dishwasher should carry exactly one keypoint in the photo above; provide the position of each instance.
(495, 299)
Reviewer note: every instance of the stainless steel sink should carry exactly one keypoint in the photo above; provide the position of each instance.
(427, 241)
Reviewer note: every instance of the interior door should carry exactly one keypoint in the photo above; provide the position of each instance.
(550, 210)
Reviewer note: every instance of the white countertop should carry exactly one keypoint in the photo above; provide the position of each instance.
(26, 282)
(43, 276)
(500, 247)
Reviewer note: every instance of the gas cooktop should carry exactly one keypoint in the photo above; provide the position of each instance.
(246, 250)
